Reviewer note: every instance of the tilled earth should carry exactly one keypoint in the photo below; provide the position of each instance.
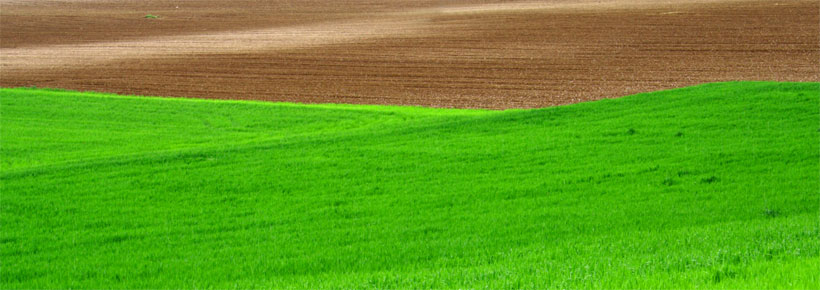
(464, 54)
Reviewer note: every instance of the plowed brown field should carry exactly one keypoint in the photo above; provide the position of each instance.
(467, 54)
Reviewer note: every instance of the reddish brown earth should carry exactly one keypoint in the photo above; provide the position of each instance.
(466, 54)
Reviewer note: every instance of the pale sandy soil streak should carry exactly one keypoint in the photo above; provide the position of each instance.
(575, 5)
(305, 36)
(67, 56)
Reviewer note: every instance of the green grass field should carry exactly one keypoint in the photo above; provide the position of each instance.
(713, 186)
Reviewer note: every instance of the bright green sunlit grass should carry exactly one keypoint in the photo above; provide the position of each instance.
(714, 186)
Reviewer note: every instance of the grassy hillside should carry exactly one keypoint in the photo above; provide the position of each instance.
(714, 186)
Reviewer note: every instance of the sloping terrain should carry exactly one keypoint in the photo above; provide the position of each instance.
(464, 54)
(713, 186)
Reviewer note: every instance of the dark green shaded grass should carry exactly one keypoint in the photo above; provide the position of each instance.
(714, 186)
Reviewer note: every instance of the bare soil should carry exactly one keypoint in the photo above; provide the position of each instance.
(464, 54)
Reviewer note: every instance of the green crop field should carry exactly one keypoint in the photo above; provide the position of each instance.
(713, 186)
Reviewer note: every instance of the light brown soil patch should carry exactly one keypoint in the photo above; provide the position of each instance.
(453, 54)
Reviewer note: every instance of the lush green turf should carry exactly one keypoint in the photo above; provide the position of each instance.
(714, 186)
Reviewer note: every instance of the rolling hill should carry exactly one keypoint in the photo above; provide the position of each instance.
(712, 186)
